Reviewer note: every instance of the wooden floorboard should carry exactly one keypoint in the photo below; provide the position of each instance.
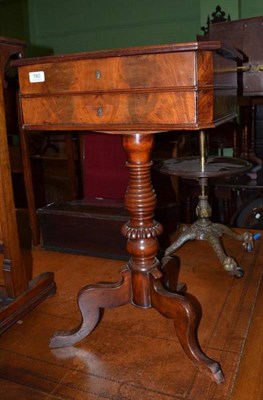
(134, 353)
(12, 390)
(249, 383)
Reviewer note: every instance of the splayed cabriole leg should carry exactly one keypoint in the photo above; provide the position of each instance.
(91, 300)
(188, 234)
(182, 311)
(246, 237)
(229, 263)
(170, 267)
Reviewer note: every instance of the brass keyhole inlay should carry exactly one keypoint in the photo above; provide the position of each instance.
(98, 74)
(99, 111)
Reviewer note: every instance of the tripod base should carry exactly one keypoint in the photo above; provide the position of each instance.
(204, 229)
(167, 296)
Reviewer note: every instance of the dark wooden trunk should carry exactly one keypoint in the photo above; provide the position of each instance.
(93, 226)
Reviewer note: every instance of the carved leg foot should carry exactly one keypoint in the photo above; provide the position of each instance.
(91, 299)
(229, 263)
(182, 311)
(246, 237)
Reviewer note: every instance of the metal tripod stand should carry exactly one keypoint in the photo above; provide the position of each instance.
(203, 229)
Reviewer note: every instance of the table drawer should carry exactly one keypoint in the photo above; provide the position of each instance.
(116, 73)
(95, 110)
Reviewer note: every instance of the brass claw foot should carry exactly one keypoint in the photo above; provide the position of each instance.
(246, 237)
(231, 266)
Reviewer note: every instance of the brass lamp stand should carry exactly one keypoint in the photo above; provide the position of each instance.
(202, 168)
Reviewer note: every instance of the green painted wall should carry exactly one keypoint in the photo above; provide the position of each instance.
(81, 25)
(250, 8)
(63, 26)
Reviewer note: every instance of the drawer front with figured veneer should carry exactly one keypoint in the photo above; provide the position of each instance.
(95, 111)
(117, 73)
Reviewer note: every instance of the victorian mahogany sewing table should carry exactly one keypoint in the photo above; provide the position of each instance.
(135, 92)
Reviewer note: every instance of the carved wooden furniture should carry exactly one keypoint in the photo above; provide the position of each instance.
(217, 16)
(20, 292)
(134, 92)
(246, 36)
